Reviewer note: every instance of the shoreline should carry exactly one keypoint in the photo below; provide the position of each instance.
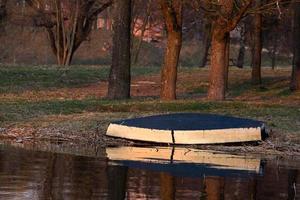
(274, 145)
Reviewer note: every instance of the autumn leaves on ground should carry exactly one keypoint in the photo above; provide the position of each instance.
(58, 104)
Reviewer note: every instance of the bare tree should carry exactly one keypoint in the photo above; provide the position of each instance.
(68, 23)
(119, 77)
(142, 28)
(172, 12)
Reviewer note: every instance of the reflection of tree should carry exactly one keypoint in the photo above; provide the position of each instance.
(292, 180)
(168, 188)
(117, 178)
(214, 188)
(47, 190)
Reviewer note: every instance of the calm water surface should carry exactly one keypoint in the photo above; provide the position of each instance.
(145, 173)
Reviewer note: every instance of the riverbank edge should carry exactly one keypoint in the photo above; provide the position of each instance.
(274, 145)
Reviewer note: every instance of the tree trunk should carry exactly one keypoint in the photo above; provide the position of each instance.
(206, 41)
(3, 14)
(218, 64)
(257, 49)
(220, 47)
(63, 39)
(273, 59)
(241, 55)
(169, 70)
(119, 77)
(227, 54)
(274, 50)
(173, 20)
(295, 79)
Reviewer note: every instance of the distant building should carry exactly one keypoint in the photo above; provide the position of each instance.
(151, 33)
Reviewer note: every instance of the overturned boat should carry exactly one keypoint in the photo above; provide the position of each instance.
(188, 128)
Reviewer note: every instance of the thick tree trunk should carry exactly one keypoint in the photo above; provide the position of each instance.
(241, 55)
(218, 64)
(169, 69)
(119, 77)
(206, 41)
(220, 47)
(295, 79)
(257, 49)
(173, 20)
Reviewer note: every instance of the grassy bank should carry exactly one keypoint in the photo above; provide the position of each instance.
(286, 118)
(65, 104)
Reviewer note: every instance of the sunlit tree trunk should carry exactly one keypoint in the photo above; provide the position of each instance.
(119, 77)
(172, 13)
(257, 49)
(220, 47)
(218, 64)
(295, 80)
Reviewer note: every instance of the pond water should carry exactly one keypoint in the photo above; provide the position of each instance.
(145, 173)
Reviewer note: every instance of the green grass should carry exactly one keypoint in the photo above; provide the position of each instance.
(284, 118)
(16, 79)
(20, 78)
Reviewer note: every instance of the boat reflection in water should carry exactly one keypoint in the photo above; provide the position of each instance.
(183, 173)
(184, 162)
